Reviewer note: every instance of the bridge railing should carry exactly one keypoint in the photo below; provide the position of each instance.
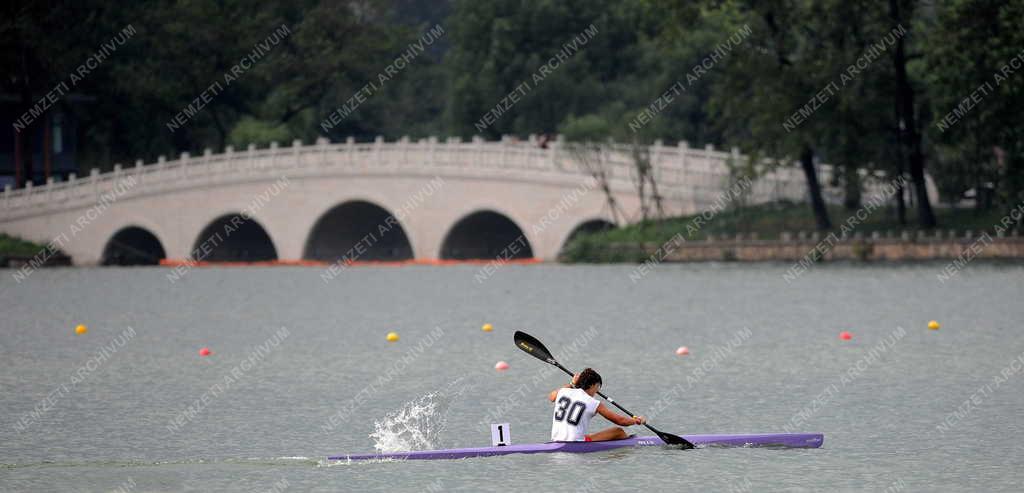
(684, 174)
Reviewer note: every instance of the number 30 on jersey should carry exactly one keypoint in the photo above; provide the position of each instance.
(570, 411)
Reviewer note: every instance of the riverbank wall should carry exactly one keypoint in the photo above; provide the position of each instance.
(906, 246)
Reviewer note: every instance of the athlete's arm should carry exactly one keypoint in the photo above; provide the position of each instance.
(619, 419)
(554, 393)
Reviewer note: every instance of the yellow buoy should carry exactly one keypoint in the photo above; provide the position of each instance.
(81, 329)
(392, 337)
(487, 328)
(933, 325)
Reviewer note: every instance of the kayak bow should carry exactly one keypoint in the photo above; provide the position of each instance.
(775, 440)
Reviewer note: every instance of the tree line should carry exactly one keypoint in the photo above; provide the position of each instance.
(893, 89)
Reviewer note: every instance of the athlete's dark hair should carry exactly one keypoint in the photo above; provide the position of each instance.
(588, 377)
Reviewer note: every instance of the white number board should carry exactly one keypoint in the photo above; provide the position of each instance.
(500, 435)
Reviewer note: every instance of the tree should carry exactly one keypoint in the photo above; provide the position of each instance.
(968, 56)
(911, 138)
(766, 81)
(585, 142)
(39, 63)
(505, 60)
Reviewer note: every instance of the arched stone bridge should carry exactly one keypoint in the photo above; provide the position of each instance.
(363, 201)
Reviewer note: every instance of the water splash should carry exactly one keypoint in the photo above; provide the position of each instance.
(418, 424)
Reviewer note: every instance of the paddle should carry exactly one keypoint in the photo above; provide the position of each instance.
(531, 345)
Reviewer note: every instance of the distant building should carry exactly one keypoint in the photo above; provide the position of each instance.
(50, 150)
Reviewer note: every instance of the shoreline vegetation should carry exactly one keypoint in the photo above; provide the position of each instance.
(785, 231)
(15, 252)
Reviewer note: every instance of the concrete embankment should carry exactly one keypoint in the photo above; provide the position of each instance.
(829, 247)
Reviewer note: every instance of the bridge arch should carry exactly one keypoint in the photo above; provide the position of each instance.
(485, 234)
(588, 226)
(133, 245)
(233, 237)
(357, 230)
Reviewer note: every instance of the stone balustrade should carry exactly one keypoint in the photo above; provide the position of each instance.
(691, 178)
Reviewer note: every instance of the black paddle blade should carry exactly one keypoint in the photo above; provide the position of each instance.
(531, 345)
(674, 440)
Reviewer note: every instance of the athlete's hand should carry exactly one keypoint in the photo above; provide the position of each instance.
(575, 378)
(639, 420)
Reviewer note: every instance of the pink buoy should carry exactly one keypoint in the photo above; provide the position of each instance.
(501, 366)
(205, 352)
(683, 351)
(846, 336)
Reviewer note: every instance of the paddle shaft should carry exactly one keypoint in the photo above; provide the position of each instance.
(609, 399)
(535, 348)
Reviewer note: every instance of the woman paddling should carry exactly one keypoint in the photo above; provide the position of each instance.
(575, 405)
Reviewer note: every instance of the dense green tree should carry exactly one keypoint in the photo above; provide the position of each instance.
(978, 96)
(41, 53)
(780, 94)
(820, 80)
(184, 48)
(499, 51)
(907, 96)
(762, 83)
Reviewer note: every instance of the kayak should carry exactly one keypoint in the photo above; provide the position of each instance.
(775, 440)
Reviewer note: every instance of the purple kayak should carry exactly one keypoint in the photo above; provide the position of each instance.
(777, 440)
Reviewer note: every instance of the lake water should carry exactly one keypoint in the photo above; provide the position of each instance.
(295, 376)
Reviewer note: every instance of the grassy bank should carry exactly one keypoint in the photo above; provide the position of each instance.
(768, 221)
(17, 247)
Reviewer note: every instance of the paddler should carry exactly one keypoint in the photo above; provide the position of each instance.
(575, 404)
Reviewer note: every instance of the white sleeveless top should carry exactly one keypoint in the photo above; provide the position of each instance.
(573, 410)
